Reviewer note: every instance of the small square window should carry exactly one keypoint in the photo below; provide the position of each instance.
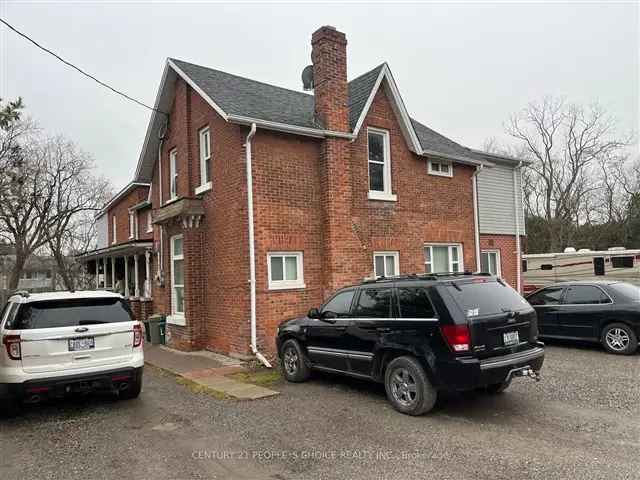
(386, 264)
(285, 270)
(440, 168)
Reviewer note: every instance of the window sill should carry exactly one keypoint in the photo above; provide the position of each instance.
(171, 200)
(383, 196)
(176, 320)
(288, 287)
(439, 174)
(203, 188)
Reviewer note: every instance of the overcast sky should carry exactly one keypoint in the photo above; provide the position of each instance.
(462, 68)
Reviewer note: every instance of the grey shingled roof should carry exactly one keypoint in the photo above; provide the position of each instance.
(250, 98)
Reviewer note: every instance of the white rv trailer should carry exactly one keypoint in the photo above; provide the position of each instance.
(616, 263)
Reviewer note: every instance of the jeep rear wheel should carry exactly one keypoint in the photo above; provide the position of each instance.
(293, 362)
(9, 408)
(496, 388)
(408, 388)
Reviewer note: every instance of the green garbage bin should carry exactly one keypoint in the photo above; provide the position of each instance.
(157, 325)
(147, 331)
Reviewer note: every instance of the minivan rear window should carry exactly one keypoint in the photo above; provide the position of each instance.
(486, 298)
(70, 313)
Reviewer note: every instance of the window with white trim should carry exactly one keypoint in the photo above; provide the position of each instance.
(379, 162)
(173, 174)
(285, 270)
(205, 158)
(443, 258)
(132, 224)
(149, 221)
(113, 229)
(441, 168)
(177, 276)
(490, 262)
(386, 264)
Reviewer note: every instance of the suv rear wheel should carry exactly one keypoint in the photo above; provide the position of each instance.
(133, 389)
(408, 388)
(293, 361)
(9, 408)
(619, 338)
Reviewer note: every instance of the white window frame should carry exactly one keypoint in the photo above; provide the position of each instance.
(204, 143)
(386, 194)
(114, 234)
(132, 225)
(498, 260)
(149, 221)
(173, 174)
(176, 318)
(438, 172)
(451, 246)
(396, 263)
(286, 284)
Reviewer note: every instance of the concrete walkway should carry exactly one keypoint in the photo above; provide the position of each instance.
(206, 370)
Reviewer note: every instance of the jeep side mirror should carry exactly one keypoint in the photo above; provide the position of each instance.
(313, 313)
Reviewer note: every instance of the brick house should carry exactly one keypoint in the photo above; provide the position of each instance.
(264, 200)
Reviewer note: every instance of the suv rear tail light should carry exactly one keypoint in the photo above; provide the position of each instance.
(12, 344)
(457, 336)
(137, 335)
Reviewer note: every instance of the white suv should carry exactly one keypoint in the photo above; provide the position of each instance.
(58, 343)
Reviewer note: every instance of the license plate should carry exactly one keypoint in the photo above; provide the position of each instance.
(510, 338)
(78, 344)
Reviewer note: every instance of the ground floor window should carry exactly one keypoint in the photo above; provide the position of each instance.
(386, 264)
(285, 270)
(443, 258)
(490, 262)
(177, 276)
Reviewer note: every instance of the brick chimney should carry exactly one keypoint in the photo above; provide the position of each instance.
(329, 57)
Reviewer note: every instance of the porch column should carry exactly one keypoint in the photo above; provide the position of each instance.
(126, 276)
(113, 273)
(147, 267)
(136, 279)
(97, 273)
(104, 267)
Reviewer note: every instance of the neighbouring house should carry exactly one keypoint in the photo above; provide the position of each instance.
(252, 203)
(38, 274)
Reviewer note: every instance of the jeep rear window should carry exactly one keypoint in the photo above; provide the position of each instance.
(70, 313)
(486, 298)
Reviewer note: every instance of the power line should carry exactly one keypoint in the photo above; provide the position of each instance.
(25, 36)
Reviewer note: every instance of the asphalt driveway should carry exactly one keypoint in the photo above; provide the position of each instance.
(581, 421)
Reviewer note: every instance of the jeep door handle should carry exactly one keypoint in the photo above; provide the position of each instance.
(383, 329)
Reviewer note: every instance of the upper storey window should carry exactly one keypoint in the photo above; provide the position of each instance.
(173, 174)
(379, 153)
(204, 136)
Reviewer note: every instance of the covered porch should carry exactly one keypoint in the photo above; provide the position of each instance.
(124, 268)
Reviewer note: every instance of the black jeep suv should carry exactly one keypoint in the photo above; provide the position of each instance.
(418, 334)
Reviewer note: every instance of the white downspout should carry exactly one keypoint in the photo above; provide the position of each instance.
(476, 216)
(516, 211)
(160, 274)
(252, 253)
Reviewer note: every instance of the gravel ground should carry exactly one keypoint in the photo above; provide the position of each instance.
(581, 421)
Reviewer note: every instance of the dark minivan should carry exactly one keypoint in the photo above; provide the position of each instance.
(418, 334)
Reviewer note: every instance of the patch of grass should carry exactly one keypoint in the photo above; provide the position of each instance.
(262, 377)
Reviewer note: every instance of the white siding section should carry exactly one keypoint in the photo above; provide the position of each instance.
(102, 231)
(495, 200)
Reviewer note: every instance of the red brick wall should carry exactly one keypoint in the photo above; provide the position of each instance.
(121, 211)
(506, 244)
(339, 231)
(216, 253)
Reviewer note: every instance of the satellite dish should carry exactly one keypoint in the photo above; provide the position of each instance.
(307, 77)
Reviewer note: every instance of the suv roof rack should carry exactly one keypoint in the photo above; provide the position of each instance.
(22, 293)
(424, 276)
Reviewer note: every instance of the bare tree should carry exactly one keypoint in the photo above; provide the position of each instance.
(78, 195)
(569, 146)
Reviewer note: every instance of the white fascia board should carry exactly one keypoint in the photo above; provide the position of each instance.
(405, 120)
(193, 85)
(456, 158)
(283, 127)
(127, 188)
